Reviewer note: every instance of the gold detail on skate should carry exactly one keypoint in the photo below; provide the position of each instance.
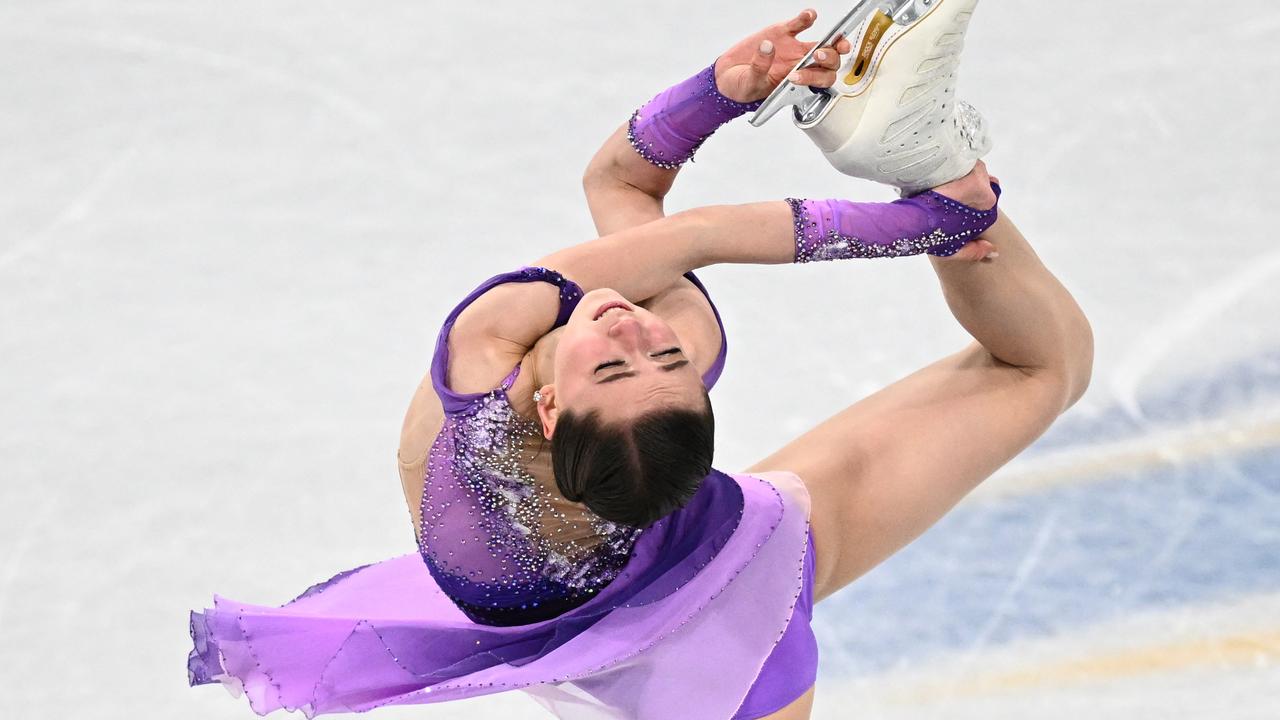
(875, 33)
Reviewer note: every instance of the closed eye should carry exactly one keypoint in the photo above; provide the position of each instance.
(616, 363)
(631, 373)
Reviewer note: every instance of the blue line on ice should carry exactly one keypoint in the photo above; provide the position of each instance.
(1149, 539)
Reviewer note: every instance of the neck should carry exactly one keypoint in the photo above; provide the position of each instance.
(543, 357)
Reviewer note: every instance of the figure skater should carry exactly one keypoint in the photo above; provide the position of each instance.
(574, 541)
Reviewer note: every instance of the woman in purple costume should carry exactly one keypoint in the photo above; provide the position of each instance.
(574, 541)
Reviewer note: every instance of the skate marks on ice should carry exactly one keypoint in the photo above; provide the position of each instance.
(151, 49)
(235, 191)
(1138, 571)
(33, 525)
(80, 206)
(1201, 661)
(1166, 447)
(1027, 565)
(335, 100)
(1179, 328)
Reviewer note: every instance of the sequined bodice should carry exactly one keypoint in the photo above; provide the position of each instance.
(497, 536)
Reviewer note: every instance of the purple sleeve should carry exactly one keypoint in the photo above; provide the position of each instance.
(668, 129)
(838, 229)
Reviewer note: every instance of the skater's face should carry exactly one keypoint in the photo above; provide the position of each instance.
(620, 360)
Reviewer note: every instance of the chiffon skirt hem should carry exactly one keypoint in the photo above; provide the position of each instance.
(683, 632)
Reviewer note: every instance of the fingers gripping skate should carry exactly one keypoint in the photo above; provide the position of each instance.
(892, 115)
(809, 101)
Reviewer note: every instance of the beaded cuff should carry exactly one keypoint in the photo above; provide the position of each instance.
(668, 129)
(926, 223)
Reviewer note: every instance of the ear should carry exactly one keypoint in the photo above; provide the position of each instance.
(548, 410)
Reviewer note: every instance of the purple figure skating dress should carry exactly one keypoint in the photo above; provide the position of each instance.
(704, 614)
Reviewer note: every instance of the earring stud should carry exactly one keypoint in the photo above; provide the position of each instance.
(537, 396)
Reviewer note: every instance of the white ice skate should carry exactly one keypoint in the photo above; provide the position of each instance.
(892, 115)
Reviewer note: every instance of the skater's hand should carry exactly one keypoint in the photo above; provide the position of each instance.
(976, 191)
(759, 63)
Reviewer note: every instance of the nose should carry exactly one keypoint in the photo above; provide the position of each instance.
(626, 329)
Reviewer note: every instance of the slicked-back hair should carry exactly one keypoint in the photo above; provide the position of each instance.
(635, 472)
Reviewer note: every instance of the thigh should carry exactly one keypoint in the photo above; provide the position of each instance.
(885, 469)
(827, 461)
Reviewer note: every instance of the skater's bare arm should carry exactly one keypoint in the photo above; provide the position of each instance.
(638, 262)
(642, 261)
(623, 189)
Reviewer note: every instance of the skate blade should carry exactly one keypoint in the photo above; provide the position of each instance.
(809, 101)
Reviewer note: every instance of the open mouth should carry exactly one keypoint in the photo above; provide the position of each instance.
(610, 306)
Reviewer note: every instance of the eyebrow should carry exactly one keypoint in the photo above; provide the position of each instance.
(631, 373)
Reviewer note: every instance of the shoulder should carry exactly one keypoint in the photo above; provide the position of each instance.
(494, 333)
(514, 311)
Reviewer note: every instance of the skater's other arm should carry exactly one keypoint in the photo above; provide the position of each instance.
(638, 262)
(642, 261)
(624, 189)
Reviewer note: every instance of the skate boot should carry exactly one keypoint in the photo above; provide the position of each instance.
(892, 115)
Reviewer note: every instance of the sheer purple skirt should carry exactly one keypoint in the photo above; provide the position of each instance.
(704, 609)
(792, 668)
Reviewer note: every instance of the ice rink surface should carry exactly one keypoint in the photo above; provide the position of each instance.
(229, 232)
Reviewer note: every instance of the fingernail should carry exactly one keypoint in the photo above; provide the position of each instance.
(992, 254)
(794, 77)
(766, 47)
(821, 55)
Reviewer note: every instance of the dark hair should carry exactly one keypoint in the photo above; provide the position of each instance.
(637, 472)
